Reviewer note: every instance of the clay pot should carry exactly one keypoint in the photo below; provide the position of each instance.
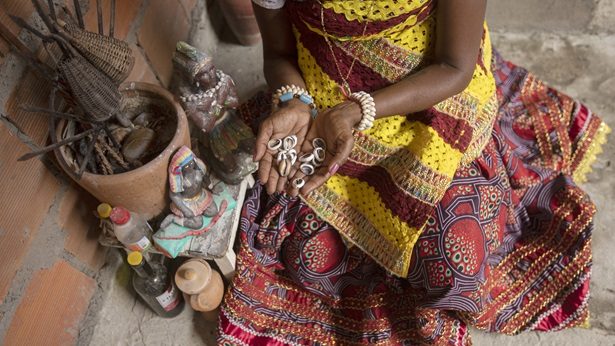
(143, 190)
(240, 18)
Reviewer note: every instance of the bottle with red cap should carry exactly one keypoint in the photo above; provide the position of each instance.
(130, 230)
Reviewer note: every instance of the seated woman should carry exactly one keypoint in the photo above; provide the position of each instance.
(444, 193)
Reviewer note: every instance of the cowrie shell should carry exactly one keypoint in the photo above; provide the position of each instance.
(274, 144)
(319, 155)
(298, 183)
(284, 168)
(319, 143)
(306, 158)
(307, 169)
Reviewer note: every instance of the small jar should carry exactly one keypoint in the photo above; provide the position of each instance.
(203, 285)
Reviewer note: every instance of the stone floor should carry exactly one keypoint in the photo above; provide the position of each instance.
(582, 65)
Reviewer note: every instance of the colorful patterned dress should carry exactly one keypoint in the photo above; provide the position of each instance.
(467, 213)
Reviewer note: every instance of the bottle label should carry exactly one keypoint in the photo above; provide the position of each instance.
(141, 245)
(169, 299)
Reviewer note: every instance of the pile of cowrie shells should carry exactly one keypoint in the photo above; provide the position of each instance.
(286, 157)
(285, 152)
(313, 160)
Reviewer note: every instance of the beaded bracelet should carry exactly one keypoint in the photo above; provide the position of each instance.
(368, 109)
(289, 92)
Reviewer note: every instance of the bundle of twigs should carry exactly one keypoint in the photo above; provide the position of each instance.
(87, 75)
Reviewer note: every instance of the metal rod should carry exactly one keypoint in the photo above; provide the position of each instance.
(79, 14)
(57, 144)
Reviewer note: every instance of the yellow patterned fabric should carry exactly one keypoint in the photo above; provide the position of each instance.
(416, 158)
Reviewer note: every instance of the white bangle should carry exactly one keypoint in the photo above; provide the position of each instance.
(368, 109)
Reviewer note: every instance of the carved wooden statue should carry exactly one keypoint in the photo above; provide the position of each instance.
(210, 100)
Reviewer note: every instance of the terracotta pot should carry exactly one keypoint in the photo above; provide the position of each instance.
(143, 190)
(240, 18)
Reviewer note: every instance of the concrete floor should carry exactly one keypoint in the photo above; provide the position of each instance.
(581, 65)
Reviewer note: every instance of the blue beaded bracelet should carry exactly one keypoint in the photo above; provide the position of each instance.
(305, 98)
(288, 93)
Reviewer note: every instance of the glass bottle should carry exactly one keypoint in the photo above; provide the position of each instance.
(155, 287)
(130, 230)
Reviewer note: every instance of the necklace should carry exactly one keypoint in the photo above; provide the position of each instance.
(345, 87)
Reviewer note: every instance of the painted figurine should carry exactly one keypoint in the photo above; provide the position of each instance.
(210, 101)
(191, 191)
(196, 203)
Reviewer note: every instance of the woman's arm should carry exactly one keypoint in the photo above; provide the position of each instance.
(280, 67)
(459, 31)
(279, 48)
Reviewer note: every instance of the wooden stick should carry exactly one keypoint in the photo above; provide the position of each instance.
(104, 162)
(57, 144)
(22, 23)
(39, 9)
(79, 14)
(69, 15)
(25, 53)
(89, 153)
(112, 19)
(51, 123)
(111, 137)
(116, 155)
(99, 14)
(60, 115)
(52, 11)
(17, 45)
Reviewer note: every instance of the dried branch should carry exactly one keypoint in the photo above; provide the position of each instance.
(112, 19)
(52, 11)
(99, 14)
(39, 9)
(89, 153)
(58, 144)
(79, 14)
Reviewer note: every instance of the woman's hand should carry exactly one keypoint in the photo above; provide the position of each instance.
(293, 118)
(335, 127)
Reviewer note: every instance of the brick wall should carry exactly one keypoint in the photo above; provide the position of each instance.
(48, 249)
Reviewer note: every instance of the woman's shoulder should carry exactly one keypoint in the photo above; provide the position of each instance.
(270, 4)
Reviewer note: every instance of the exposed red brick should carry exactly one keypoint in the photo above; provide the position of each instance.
(164, 23)
(27, 191)
(125, 13)
(19, 8)
(142, 71)
(52, 307)
(32, 90)
(76, 218)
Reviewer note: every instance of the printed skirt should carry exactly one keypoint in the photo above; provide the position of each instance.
(508, 248)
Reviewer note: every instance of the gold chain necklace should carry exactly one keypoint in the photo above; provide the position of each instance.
(345, 87)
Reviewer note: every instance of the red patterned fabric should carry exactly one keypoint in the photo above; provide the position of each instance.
(508, 248)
